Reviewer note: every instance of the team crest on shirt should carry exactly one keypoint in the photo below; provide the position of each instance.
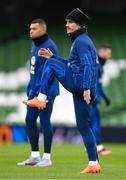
(33, 60)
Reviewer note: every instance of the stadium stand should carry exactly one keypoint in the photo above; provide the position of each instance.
(14, 53)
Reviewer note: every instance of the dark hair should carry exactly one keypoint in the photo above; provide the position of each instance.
(104, 46)
(39, 21)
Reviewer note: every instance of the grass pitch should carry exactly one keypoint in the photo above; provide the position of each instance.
(68, 161)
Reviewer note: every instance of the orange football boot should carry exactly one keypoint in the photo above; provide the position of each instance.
(35, 103)
(92, 169)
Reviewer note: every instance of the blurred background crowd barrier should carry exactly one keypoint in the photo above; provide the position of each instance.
(107, 26)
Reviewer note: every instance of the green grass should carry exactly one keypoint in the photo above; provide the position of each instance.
(68, 161)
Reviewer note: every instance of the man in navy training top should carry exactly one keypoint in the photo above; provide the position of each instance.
(78, 75)
(40, 39)
(104, 53)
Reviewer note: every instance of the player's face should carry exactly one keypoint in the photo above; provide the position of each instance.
(71, 26)
(36, 30)
(108, 54)
(105, 53)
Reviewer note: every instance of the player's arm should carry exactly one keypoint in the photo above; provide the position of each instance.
(87, 80)
(28, 88)
(103, 94)
(85, 57)
(48, 54)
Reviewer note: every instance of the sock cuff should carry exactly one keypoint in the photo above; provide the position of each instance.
(35, 154)
(100, 147)
(93, 163)
(42, 97)
(47, 156)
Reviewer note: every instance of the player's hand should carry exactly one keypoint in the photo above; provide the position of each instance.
(46, 53)
(107, 101)
(87, 96)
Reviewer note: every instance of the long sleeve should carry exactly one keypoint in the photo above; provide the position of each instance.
(28, 87)
(60, 59)
(88, 59)
(101, 91)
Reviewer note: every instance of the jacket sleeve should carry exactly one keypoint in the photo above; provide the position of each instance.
(28, 88)
(85, 56)
(101, 91)
(60, 59)
(103, 94)
(56, 56)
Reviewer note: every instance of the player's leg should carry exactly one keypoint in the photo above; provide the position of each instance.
(47, 130)
(56, 69)
(32, 129)
(53, 69)
(33, 136)
(95, 122)
(82, 111)
(96, 128)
